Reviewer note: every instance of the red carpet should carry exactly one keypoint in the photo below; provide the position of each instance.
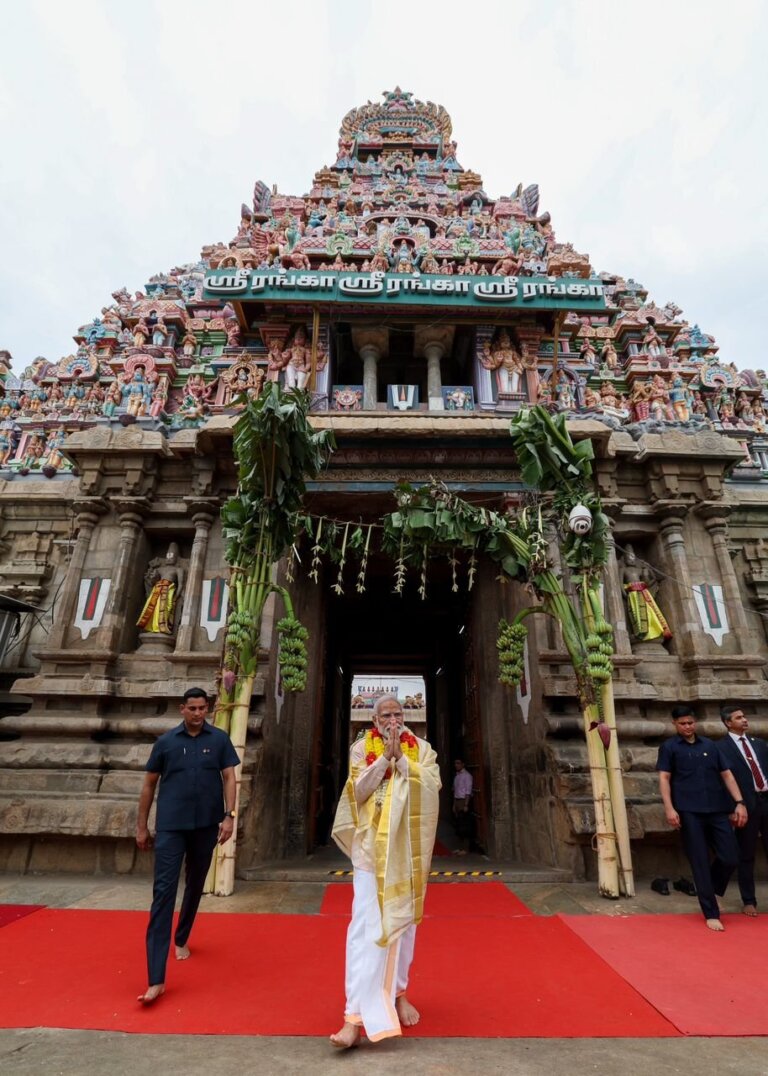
(9, 913)
(704, 983)
(472, 900)
(284, 975)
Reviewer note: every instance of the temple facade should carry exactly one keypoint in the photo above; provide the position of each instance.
(421, 313)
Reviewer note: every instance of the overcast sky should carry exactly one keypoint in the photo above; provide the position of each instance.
(130, 133)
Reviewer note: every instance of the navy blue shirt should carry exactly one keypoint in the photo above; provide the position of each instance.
(191, 793)
(695, 770)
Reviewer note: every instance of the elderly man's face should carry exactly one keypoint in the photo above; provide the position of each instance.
(389, 718)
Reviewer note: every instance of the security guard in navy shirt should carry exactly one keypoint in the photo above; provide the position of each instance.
(195, 767)
(699, 792)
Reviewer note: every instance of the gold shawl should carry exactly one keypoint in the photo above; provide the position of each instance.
(397, 835)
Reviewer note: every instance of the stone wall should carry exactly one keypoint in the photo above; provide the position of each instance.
(71, 766)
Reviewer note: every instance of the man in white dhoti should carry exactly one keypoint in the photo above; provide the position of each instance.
(385, 822)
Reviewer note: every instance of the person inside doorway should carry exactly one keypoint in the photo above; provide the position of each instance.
(385, 822)
(462, 802)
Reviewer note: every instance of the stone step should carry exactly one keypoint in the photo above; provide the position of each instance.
(446, 869)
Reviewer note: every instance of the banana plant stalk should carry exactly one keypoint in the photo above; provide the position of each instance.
(550, 461)
(556, 603)
(276, 451)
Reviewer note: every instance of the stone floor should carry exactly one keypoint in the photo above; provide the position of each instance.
(55, 1052)
(303, 895)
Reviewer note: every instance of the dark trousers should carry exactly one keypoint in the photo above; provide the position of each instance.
(172, 847)
(702, 832)
(747, 838)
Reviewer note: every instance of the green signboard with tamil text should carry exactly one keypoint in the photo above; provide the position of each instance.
(413, 289)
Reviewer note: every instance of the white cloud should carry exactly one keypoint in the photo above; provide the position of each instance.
(132, 133)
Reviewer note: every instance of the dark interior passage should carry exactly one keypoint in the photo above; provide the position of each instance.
(390, 634)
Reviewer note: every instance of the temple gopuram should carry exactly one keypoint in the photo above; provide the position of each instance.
(421, 313)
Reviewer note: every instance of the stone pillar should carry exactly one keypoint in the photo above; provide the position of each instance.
(433, 343)
(370, 343)
(683, 619)
(131, 516)
(755, 555)
(615, 607)
(88, 513)
(715, 517)
(203, 521)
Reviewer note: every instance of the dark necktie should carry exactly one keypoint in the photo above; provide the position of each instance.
(759, 782)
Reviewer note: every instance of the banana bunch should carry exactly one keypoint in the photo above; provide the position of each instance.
(511, 646)
(239, 630)
(599, 645)
(292, 654)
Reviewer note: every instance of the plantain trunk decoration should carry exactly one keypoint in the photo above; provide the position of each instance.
(435, 521)
(276, 452)
(551, 462)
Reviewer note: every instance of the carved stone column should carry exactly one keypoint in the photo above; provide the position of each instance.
(615, 607)
(715, 517)
(433, 343)
(88, 512)
(370, 343)
(131, 515)
(685, 621)
(203, 521)
(756, 576)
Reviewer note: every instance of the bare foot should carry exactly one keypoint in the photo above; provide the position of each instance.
(152, 993)
(182, 952)
(348, 1036)
(409, 1016)
(715, 924)
(750, 910)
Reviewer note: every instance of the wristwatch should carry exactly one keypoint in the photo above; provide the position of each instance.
(739, 803)
(229, 814)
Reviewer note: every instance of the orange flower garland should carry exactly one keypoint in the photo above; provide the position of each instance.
(374, 745)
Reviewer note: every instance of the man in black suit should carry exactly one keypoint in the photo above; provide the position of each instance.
(747, 758)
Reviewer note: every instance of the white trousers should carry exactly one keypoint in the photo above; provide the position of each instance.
(375, 975)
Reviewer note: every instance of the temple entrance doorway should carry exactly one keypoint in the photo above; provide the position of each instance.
(380, 640)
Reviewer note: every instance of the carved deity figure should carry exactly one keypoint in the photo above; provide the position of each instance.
(297, 360)
(159, 333)
(725, 409)
(33, 452)
(159, 398)
(652, 342)
(140, 333)
(6, 445)
(52, 458)
(503, 357)
(188, 343)
(587, 352)
(608, 355)
(658, 399)
(163, 582)
(680, 398)
(506, 266)
(112, 400)
(379, 262)
(429, 263)
(564, 394)
(136, 393)
(275, 360)
(646, 618)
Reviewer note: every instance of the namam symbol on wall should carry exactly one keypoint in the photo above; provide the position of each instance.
(91, 603)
